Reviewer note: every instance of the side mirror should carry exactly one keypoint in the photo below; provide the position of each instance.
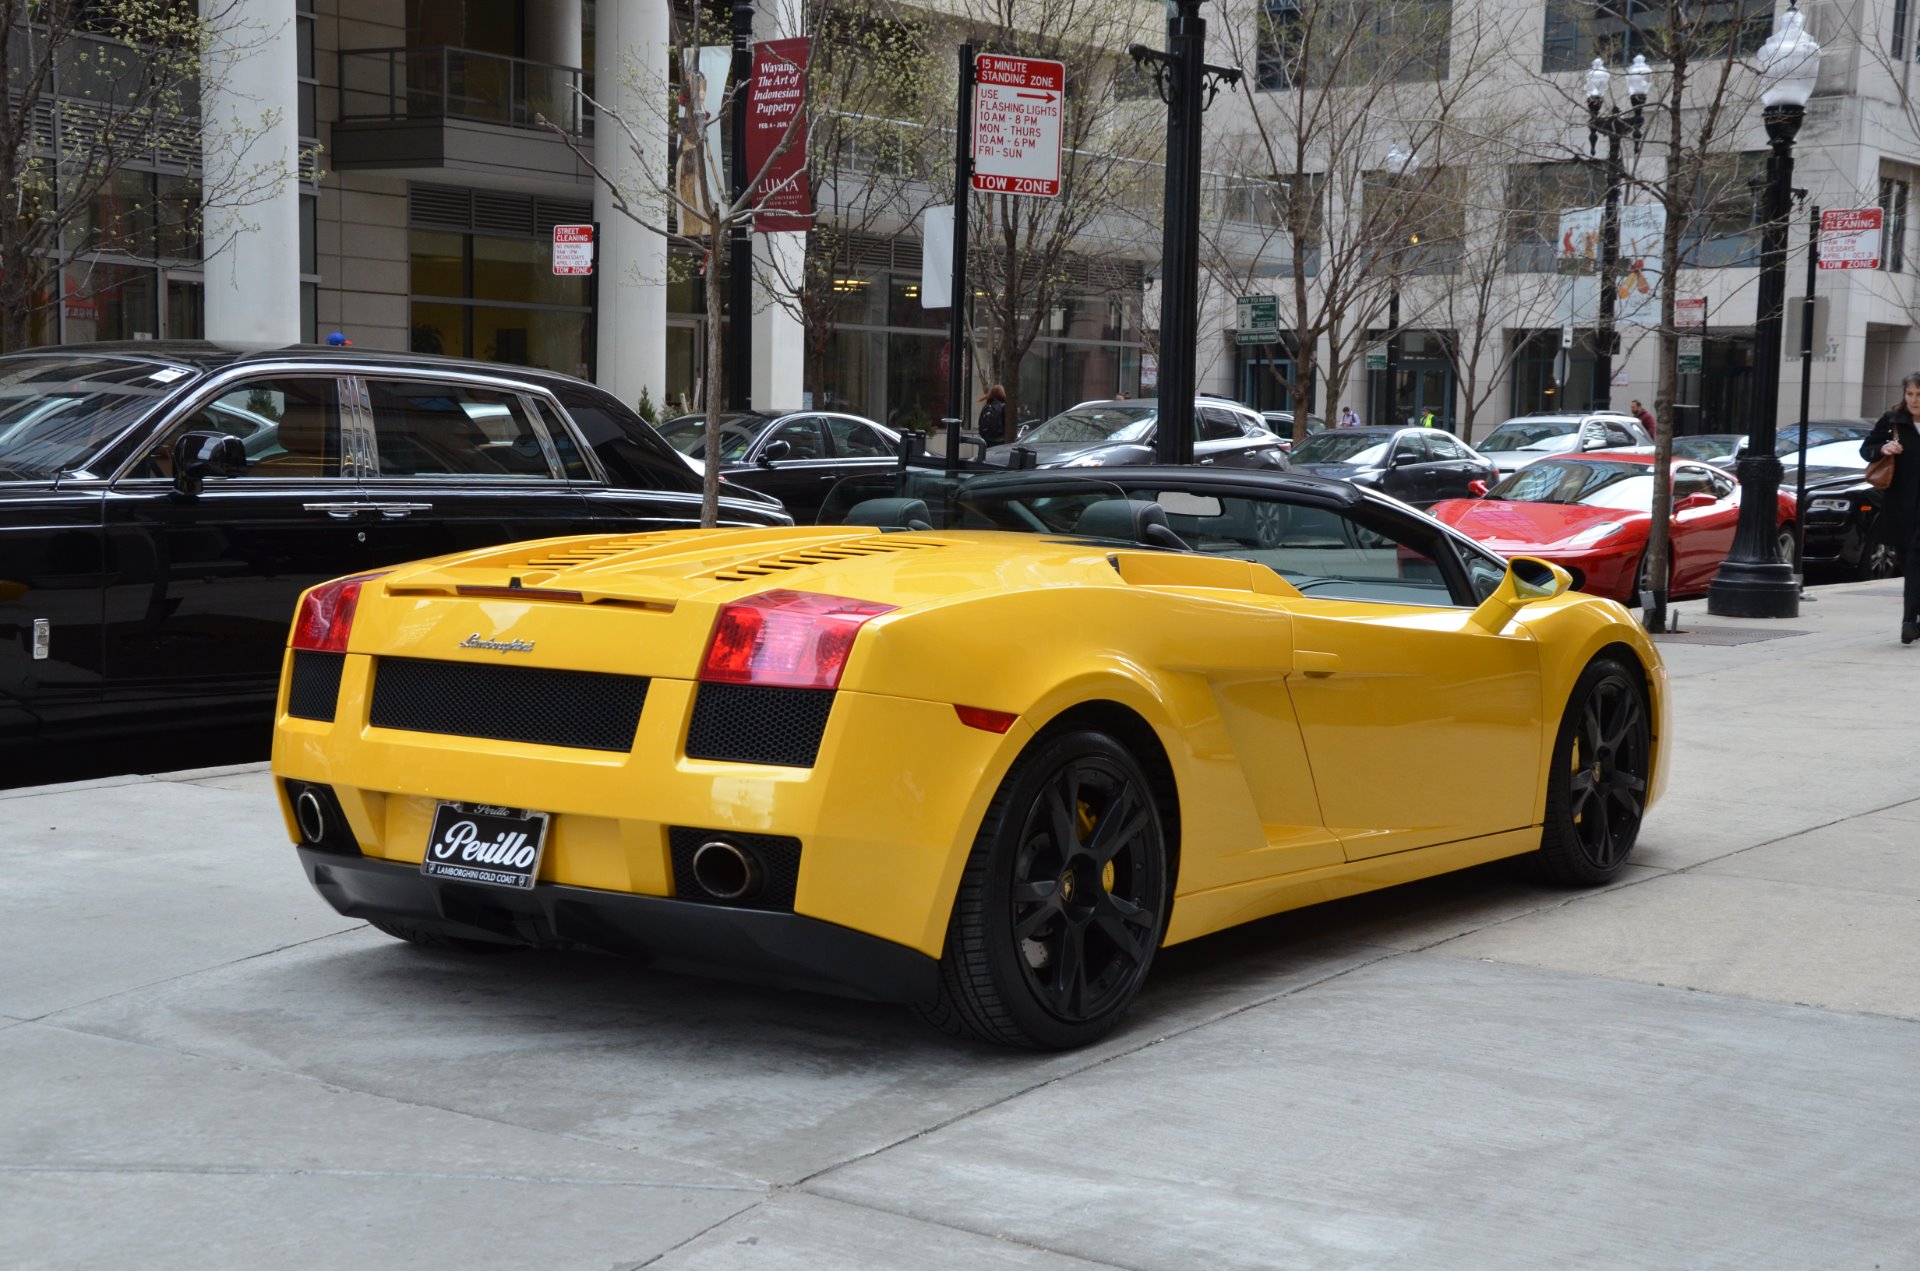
(1478, 488)
(199, 455)
(775, 450)
(1401, 458)
(1700, 499)
(1528, 581)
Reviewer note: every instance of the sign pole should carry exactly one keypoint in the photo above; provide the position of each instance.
(956, 316)
(593, 311)
(1806, 397)
(739, 345)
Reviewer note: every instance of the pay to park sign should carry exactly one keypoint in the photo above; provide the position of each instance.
(1016, 124)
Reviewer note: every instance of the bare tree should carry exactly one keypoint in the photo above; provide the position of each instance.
(100, 142)
(703, 212)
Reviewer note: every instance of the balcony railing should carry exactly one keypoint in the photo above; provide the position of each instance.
(444, 82)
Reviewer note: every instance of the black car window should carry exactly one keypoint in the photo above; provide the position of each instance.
(802, 435)
(1217, 425)
(572, 461)
(1690, 480)
(1722, 484)
(855, 440)
(1411, 447)
(429, 428)
(1444, 447)
(288, 427)
(634, 455)
(1618, 436)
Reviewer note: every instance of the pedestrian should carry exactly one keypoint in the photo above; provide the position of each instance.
(1426, 418)
(993, 416)
(1642, 414)
(1896, 436)
(1347, 418)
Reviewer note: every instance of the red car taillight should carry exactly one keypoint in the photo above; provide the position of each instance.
(325, 619)
(786, 639)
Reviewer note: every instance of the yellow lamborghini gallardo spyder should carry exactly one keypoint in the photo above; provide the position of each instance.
(980, 745)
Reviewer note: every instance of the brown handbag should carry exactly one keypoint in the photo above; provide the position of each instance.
(1880, 473)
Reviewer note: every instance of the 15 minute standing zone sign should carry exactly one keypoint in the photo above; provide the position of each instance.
(1016, 124)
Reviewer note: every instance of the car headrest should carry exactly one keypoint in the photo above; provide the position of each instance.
(1120, 518)
(891, 514)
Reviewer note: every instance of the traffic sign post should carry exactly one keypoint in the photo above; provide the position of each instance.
(1850, 239)
(1016, 125)
(576, 253)
(1257, 320)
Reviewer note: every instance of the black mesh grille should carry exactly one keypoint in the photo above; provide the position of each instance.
(746, 723)
(778, 857)
(583, 710)
(316, 684)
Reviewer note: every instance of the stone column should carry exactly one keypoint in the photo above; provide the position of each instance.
(630, 68)
(250, 110)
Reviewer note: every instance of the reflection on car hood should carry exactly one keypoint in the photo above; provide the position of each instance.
(1338, 471)
(1505, 525)
(1824, 478)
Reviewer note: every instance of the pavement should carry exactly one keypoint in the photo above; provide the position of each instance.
(1714, 1062)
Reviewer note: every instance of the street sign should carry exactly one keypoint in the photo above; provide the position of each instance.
(573, 249)
(1850, 239)
(1016, 124)
(1690, 311)
(1257, 320)
(1691, 349)
(1376, 359)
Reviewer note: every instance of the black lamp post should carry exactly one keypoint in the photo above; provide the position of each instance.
(1400, 165)
(739, 358)
(1609, 122)
(1188, 86)
(1753, 581)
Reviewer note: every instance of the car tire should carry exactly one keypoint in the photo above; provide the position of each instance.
(428, 938)
(1597, 786)
(1049, 943)
(1270, 522)
(1784, 542)
(1880, 558)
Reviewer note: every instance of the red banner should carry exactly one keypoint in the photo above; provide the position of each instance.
(777, 101)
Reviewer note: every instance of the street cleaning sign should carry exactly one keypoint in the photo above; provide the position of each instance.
(1257, 320)
(1016, 124)
(572, 249)
(1850, 239)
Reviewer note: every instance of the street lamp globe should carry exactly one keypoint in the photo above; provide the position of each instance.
(1789, 62)
(1639, 79)
(1401, 162)
(1599, 79)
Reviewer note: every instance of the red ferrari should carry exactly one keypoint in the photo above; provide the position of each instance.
(1590, 515)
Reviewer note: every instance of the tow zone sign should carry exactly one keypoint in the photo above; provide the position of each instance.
(1016, 124)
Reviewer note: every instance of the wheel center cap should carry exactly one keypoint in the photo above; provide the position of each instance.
(1066, 885)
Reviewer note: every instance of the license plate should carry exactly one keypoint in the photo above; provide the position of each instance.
(478, 843)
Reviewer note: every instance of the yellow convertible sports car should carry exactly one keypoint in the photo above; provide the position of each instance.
(982, 745)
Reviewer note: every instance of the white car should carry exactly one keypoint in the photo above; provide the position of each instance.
(1529, 438)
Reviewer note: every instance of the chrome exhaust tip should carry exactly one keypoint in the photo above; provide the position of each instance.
(311, 815)
(724, 871)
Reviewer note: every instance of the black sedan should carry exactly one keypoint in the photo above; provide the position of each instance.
(1121, 433)
(163, 505)
(1844, 528)
(795, 457)
(1420, 466)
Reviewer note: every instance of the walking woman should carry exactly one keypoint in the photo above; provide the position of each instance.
(993, 416)
(1896, 436)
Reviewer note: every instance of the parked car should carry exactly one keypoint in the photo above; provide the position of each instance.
(162, 506)
(1529, 438)
(1715, 448)
(1844, 527)
(841, 759)
(1119, 433)
(1591, 515)
(795, 457)
(1420, 466)
(1280, 423)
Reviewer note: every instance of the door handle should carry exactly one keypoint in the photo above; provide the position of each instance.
(339, 511)
(1309, 662)
(397, 511)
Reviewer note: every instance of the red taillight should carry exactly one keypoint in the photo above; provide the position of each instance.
(788, 639)
(985, 720)
(325, 619)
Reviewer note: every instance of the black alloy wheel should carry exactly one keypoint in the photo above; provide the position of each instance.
(1784, 542)
(1063, 901)
(1597, 787)
(1880, 559)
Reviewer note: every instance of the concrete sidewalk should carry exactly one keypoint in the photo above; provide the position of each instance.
(1713, 1063)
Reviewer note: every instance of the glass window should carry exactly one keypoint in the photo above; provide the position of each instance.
(1577, 31)
(1441, 446)
(186, 309)
(426, 429)
(851, 438)
(1217, 425)
(110, 302)
(802, 436)
(56, 413)
(289, 427)
(1411, 448)
(1893, 225)
(1357, 555)
(572, 462)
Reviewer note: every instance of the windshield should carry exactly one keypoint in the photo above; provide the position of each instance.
(58, 412)
(1365, 449)
(1519, 434)
(1835, 454)
(1707, 448)
(1086, 425)
(688, 435)
(1602, 485)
